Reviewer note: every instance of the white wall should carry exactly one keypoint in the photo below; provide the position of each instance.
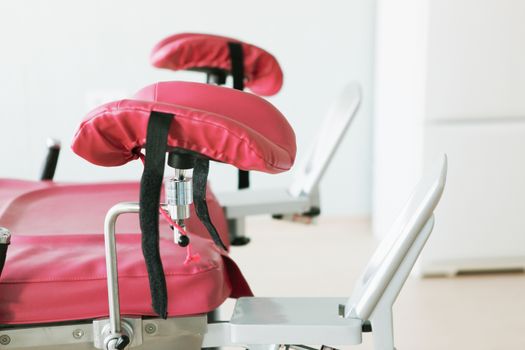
(399, 96)
(60, 58)
(450, 77)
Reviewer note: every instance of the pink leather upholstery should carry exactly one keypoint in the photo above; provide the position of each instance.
(223, 124)
(55, 269)
(262, 72)
(52, 208)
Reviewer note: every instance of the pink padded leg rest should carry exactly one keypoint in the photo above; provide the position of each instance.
(223, 124)
(262, 72)
(57, 256)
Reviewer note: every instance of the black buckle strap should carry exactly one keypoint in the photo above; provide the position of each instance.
(150, 190)
(237, 63)
(200, 179)
(237, 71)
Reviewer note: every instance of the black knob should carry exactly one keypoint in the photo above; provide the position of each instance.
(122, 342)
(240, 241)
(183, 240)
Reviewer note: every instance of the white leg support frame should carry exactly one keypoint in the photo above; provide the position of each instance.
(302, 196)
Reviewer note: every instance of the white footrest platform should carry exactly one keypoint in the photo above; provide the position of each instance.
(240, 204)
(314, 321)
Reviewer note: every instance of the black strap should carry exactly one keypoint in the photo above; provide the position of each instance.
(237, 63)
(3, 254)
(237, 71)
(150, 189)
(244, 179)
(200, 179)
(50, 165)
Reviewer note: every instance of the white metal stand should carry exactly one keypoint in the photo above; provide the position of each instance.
(303, 193)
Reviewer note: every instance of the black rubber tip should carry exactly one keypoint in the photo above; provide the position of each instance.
(240, 241)
(122, 342)
(366, 327)
(183, 241)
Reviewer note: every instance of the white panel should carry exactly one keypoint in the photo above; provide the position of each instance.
(399, 106)
(476, 59)
(293, 321)
(480, 217)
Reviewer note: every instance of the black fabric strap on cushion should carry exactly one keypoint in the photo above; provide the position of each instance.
(237, 71)
(237, 63)
(200, 179)
(3, 254)
(150, 189)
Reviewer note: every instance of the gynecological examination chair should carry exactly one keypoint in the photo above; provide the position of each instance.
(136, 283)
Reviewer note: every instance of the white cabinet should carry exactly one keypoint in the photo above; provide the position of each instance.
(481, 221)
(451, 79)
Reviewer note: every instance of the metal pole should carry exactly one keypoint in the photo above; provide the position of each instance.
(111, 261)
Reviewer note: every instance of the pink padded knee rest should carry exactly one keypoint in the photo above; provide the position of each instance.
(262, 72)
(222, 124)
(56, 257)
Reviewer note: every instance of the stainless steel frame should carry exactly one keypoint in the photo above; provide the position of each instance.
(181, 333)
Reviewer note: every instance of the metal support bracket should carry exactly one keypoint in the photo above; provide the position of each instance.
(132, 327)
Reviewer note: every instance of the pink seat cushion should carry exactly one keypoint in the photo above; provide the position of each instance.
(52, 208)
(262, 72)
(222, 124)
(56, 257)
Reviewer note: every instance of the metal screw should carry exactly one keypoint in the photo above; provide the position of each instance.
(4, 339)
(78, 333)
(150, 328)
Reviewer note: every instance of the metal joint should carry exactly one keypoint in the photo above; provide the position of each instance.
(5, 236)
(179, 197)
(103, 338)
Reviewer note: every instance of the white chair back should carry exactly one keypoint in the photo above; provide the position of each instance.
(409, 232)
(326, 142)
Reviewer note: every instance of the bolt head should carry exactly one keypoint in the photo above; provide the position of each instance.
(5, 339)
(78, 333)
(150, 328)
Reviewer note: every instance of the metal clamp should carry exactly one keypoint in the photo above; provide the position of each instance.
(104, 339)
(5, 236)
(179, 197)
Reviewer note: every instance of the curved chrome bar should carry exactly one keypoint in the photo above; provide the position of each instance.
(111, 261)
(110, 244)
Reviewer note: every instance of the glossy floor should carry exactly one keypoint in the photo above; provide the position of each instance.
(482, 312)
